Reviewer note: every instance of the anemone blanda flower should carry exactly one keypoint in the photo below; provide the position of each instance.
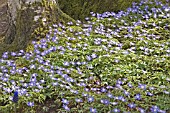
(30, 104)
(93, 110)
(90, 99)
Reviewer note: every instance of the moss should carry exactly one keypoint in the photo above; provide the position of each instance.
(79, 9)
(52, 14)
(30, 48)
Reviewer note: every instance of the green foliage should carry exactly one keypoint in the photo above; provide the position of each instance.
(135, 58)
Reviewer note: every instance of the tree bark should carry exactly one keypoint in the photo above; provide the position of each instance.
(20, 18)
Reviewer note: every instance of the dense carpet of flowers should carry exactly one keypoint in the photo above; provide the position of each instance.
(113, 62)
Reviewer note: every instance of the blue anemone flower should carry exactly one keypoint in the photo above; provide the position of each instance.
(93, 110)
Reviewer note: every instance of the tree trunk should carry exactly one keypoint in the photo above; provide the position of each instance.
(20, 18)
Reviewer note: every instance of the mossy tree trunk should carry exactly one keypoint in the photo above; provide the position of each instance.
(20, 18)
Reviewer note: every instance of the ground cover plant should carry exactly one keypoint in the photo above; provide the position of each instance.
(113, 62)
